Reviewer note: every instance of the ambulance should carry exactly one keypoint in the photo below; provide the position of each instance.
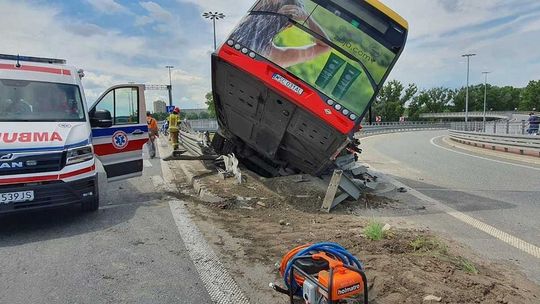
(51, 139)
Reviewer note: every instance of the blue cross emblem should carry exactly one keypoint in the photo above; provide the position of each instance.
(120, 140)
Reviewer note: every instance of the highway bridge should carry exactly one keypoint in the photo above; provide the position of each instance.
(507, 115)
(488, 200)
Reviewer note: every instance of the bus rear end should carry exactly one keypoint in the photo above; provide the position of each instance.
(296, 77)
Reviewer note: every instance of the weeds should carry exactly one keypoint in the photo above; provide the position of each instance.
(467, 266)
(374, 231)
(424, 244)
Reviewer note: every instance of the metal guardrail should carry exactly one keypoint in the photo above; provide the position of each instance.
(197, 143)
(516, 141)
(211, 125)
(203, 125)
(489, 114)
(493, 127)
(392, 127)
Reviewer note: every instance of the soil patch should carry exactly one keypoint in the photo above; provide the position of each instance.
(263, 219)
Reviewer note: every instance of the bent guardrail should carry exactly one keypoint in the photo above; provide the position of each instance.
(522, 144)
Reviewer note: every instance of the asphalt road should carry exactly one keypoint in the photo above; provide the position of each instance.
(129, 251)
(500, 192)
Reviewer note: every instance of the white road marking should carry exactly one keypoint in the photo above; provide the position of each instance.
(501, 235)
(218, 282)
(432, 141)
(147, 163)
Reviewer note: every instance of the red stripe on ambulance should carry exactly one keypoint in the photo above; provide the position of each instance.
(31, 68)
(45, 178)
(107, 149)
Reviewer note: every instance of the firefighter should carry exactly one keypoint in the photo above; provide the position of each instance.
(174, 123)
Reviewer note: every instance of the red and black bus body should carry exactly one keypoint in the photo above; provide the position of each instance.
(274, 121)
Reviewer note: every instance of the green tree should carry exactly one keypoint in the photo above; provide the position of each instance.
(192, 116)
(530, 99)
(204, 115)
(390, 103)
(211, 105)
(434, 100)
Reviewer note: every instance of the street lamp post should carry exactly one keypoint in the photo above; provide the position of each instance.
(214, 16)
(485, 98)
(467, 92)
(170, 67)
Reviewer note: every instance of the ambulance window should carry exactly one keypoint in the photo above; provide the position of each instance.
(126, 106)
(107, 103)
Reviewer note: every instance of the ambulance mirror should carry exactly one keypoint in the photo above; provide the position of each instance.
(101, 119)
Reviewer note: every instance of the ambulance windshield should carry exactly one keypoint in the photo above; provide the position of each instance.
(33, 101)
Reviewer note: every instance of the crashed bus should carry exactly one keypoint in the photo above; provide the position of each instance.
(295, 78)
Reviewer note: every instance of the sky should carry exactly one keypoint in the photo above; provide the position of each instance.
(121, 41)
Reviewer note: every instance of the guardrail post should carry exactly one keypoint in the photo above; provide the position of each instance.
(523, 127)
(507, 127)
(495, 127)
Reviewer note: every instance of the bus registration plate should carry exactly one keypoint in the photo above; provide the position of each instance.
(285, 82)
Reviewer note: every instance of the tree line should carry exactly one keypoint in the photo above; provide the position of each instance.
(396, 100)
(189, 116)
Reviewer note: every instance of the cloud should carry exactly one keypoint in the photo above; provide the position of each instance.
(107, 6)
(156, 12)
(233, 12)
(108, 56)
(503, 33)
(143, 20)
(440, 31)
(85, 29)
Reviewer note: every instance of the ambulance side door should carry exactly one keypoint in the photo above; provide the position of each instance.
(119, 130)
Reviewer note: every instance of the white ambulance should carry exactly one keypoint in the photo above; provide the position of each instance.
(50, 138)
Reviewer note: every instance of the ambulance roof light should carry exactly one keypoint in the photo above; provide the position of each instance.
(32, 59)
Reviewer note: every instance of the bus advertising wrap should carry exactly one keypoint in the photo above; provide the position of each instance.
(319, 45)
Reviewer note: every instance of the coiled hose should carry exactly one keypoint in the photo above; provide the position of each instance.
(333, 249)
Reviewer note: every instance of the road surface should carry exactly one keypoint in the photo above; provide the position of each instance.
(483, 189)
(130, 251)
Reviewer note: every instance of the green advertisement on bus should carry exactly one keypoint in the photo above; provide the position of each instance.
(320, 46)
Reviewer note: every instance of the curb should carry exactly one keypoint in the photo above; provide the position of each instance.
(205, 195)
(500, 148)
(191, 174)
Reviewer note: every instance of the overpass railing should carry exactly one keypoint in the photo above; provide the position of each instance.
(392, 127)
(493, 127)
(203, 125)
(524, 143)
(489, 114)
(211, 125)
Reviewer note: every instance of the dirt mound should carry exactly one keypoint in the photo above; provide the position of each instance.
(262, 220)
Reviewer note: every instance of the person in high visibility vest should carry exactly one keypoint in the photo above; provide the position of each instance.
(174, 123)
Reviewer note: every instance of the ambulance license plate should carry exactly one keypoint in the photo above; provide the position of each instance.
(16, 197)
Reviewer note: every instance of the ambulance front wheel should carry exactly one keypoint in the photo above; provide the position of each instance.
(92, 204)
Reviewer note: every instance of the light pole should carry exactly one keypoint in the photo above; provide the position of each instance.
(214, 16)
(485, 98)
(467, 93)
(170, 67)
